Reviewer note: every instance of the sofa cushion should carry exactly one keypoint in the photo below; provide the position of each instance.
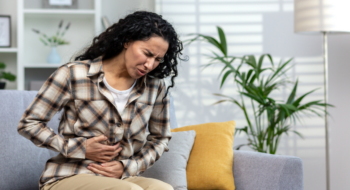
(211, 158)
(21, 161)
(171, 166)
(254, 170)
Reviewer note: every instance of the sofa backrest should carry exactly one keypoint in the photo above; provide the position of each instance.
(173, 120)
(21, 162)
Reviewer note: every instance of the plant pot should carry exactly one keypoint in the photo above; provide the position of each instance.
(54, 57)
(2, 85)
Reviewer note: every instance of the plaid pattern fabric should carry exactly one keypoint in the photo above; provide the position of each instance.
(89, 111)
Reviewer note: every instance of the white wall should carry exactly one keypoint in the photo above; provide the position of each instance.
(339, 95)
(116, 9)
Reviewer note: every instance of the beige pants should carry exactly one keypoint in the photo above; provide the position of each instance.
(91, 182)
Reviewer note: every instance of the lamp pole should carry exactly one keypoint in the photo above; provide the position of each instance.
(325, 17)
(325, 61)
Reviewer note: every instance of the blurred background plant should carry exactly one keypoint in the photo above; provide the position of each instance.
(5, 75)
(56, 39)
(269, 118)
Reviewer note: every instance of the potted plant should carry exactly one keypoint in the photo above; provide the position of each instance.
(270, 118)
(54, 41)
(5, 76)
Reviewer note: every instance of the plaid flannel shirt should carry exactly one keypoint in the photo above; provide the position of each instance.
(89, 111)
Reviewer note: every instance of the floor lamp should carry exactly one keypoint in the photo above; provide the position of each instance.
(322, 17)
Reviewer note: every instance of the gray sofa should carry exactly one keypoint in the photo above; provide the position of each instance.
(21, 162)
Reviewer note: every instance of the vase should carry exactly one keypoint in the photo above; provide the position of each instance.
(54, 57)
(2, 85)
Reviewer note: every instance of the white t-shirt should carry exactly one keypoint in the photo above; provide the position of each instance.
(120, 96)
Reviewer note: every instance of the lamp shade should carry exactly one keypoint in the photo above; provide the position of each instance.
(312, 16)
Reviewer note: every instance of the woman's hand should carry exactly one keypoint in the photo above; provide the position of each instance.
(110, 169)
(99, 152)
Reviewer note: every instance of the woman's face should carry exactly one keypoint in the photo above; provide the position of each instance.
(141, 57)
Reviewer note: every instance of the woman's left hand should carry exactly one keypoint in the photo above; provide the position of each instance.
(109, 169)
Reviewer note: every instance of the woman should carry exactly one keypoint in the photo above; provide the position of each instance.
(110, 94)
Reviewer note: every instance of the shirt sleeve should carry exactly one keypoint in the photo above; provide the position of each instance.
(157, 140)
(51, 98)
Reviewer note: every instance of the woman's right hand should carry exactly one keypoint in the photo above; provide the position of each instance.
(99, 152)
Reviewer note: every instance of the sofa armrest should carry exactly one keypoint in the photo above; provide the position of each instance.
(258, 171)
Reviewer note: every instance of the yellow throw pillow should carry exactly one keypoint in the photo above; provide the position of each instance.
(211, 158)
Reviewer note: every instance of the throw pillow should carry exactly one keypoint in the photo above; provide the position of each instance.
(211, 158)
(171, 166)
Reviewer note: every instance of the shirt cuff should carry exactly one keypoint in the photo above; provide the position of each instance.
(76, 148)
(130, 168)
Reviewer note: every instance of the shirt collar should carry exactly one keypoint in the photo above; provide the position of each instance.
(96, 67)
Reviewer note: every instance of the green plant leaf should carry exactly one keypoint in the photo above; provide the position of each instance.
(239, 67)
(251, 61)
(297, 101)
(315, 112)
(299, 134)
(290, 107)
(258, 69)
(244, 129)
(271, 60)
(249, 74)
(230, 99)
(220, 101)
(256, 98)
(43, 41)
(222, 71)
(279, 70)
(2, 65)
(206, 65)
(309, 104)
(8, 76)
(222, 40)
(284, 108)
(269, 89)
(208, 39)
(252, 79)
(293, 93)
(224, 77)
(240, 146)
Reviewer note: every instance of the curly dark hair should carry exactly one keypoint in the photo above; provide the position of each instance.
(140, 25)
